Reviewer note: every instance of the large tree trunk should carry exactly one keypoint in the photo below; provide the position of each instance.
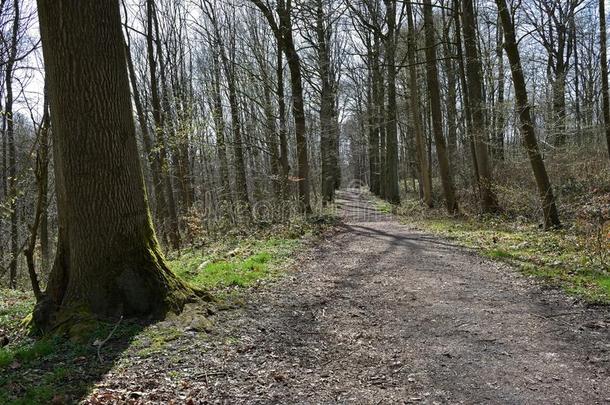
(545, 190)
(437, 114)
(604, 68)
(489, 201)
(108, 260)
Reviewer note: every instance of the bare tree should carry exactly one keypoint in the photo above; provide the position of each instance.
(545, 189)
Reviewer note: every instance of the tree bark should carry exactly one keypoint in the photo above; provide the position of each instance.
(108, 260)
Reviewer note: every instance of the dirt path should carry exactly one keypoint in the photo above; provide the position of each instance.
(378, 313)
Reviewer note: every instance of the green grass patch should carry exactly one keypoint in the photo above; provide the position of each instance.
(383, 206)
(236, 263)
(14, 307)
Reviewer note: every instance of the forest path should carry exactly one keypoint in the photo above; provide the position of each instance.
(378, 313)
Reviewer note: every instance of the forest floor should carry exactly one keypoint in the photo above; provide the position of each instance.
(373, 312)
(379, 313)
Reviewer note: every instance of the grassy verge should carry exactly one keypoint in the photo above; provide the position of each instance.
(56, 370)
(563, 258)
(235, 263)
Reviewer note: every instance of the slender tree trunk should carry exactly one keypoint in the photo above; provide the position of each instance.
(169, 213)
(392, 191)
(151, 156)
(108, 260)
(465, 100)
(604, 68)
(489, 201)
(271, 138)
(498, 145)
(229, 64)
(219, 126)
(281, 102)
(298, 111)
(452, 143)
(241, 184)
(45, 130)
(420, 142)
(577, 86)
(327, 105)
(380, 115)
(373, 97)
(559, 105)
(545, 190)
(166, 130)
(335, 140)
(437, 115)
(12, 149)
(4, 173)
